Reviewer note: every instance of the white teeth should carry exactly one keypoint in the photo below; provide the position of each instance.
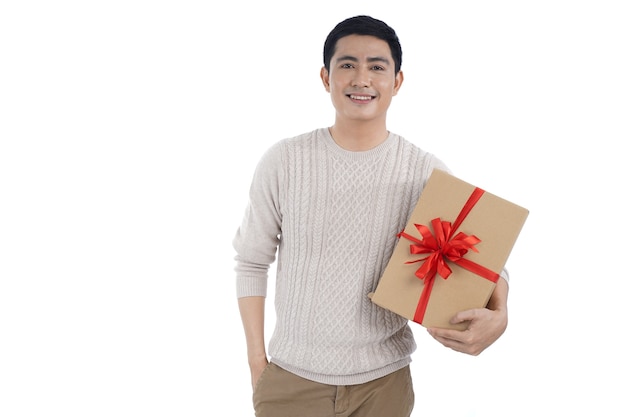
(360, 97)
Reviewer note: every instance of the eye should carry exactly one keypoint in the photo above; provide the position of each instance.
(347, 65)
(378, 68)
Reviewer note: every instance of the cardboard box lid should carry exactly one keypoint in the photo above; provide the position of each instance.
(494, 220)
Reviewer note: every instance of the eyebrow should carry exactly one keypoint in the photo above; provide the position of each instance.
(369, 59)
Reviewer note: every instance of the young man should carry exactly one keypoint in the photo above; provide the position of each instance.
(332, 201)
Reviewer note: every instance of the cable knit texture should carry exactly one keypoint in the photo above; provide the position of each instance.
(332, 217)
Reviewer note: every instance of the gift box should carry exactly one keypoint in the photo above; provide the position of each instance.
(450, 255)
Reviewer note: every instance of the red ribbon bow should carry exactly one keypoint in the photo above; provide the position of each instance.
(443, 245)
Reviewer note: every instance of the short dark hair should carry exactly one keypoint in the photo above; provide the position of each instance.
(363, 25)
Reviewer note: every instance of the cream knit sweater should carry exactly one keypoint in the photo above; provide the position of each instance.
(333, 215)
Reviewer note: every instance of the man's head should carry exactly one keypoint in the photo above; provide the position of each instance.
(363, 25)
(361, 71)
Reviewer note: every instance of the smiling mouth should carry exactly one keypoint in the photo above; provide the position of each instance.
(361, 98)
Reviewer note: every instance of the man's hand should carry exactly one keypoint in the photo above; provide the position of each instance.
(486, 325)
(252, 311)
(256, 369)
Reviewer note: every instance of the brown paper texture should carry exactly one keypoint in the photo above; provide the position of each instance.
(495, 221)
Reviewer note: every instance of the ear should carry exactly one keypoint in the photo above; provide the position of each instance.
(398, 82)
(325, 76)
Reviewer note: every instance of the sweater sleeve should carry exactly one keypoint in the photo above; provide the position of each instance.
(257, 238)
(505, 275)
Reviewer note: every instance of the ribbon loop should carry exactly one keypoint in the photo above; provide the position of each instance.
(443, 244)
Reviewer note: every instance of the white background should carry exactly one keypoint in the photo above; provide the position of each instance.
(129, 131)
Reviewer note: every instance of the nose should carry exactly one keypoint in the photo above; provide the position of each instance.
(361, 78)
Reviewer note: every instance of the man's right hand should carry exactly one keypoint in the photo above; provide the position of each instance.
(256, 369)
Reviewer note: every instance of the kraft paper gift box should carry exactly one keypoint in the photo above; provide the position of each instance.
(456, 230)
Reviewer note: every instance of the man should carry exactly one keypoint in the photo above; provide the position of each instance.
(332, 202)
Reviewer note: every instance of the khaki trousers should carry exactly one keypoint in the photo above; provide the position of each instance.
(280, 393)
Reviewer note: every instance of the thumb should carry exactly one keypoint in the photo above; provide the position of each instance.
(461, 316)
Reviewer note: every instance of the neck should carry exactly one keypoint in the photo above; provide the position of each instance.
(358, 137)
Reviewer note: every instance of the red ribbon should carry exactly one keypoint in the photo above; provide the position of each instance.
(444, 245)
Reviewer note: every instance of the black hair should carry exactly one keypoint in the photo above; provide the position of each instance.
(363, 25)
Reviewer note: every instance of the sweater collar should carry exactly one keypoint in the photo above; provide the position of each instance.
(383, 148)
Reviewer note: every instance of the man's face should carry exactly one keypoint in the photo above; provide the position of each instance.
(361, 79)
